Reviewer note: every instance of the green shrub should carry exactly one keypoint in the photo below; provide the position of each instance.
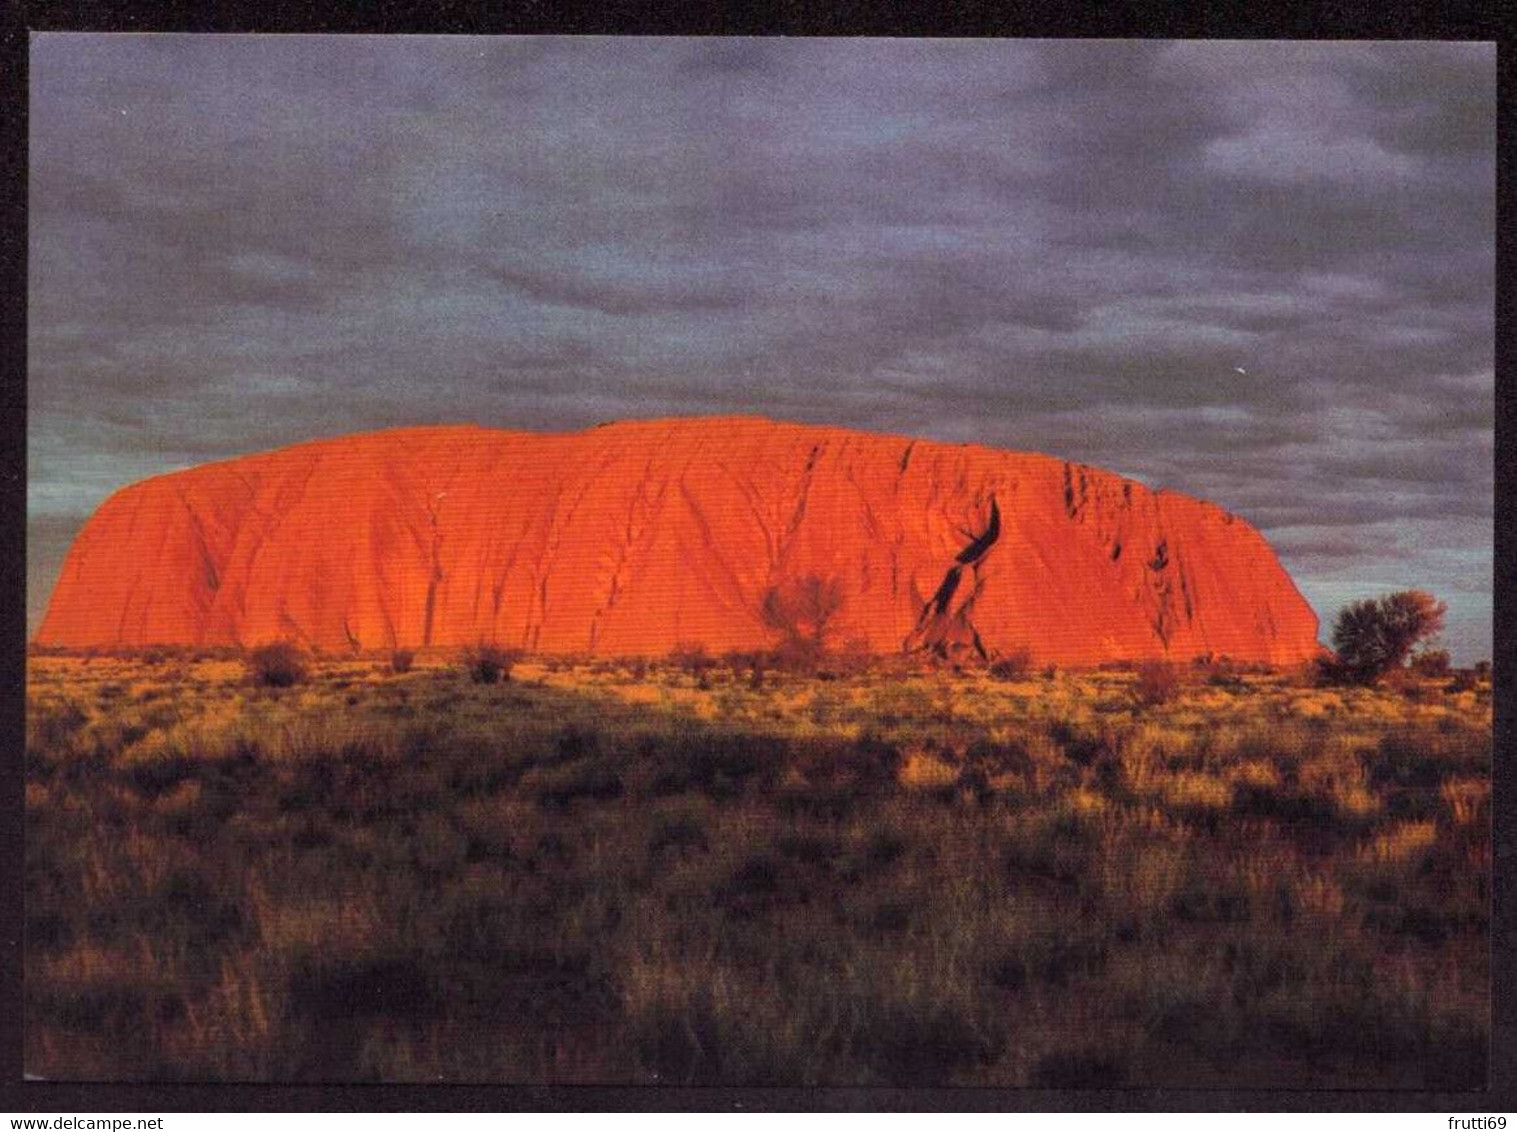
(1374, 636)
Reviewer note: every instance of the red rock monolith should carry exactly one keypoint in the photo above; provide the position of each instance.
(633, 538)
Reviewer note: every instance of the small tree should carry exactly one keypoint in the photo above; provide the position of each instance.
(803, 610)
(1376, 635)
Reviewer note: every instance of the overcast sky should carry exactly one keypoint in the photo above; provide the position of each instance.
(1071, 247)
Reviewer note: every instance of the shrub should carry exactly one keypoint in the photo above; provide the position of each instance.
(677, 833)
(909, 1043)
(1376, 635)
(1432, 662)
(49, 728)
(796, 655)
(278, 665)
(489, 664)
(692, 658)
(855, 657)
(1464, 681)
(1079, 1069)
(401, 660)
(1012, 666)
(1157, 683)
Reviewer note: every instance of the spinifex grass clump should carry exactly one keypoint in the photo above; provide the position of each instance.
(893, 877)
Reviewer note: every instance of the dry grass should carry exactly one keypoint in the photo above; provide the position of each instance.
(682, 873)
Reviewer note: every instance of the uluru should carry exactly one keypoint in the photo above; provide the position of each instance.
(636, 538)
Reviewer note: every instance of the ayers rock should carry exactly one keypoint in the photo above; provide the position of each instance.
(636, 537)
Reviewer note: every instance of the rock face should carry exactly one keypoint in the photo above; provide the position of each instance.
(631, 539)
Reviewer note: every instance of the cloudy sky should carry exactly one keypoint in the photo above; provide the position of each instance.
(1074, 247)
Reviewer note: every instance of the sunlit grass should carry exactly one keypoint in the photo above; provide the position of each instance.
(640, 871)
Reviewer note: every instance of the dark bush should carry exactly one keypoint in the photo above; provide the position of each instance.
(883, 849)
(1013, 666)
(1157, 683)
(681, 1047)
(718, 765)
(1080, 747)
(1009, 971)
(1376, 635)
(597, 783)
(1432, 662)
(1309, 812)
(992, 758)
(50, 728)
(400, 988)
(490, 664)
(691, 658)
(1403, 763)
(677, 834)
(890, 917)
(1464, 680)
(752, 888)
(809, 849)
(575, 743)
(1065, 959)
(870, 761)
(278, 665)
(1079, 1069)
(401, 660)
(908, 1044)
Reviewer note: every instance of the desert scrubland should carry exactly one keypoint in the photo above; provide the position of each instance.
(701, 870)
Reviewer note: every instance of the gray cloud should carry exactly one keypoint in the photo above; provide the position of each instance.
(241, 241)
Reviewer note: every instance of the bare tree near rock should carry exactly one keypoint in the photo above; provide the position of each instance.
(803, 609)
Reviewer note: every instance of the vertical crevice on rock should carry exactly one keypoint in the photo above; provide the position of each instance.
(436, 575)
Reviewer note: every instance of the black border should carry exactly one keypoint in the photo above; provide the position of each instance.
(1337, 19)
